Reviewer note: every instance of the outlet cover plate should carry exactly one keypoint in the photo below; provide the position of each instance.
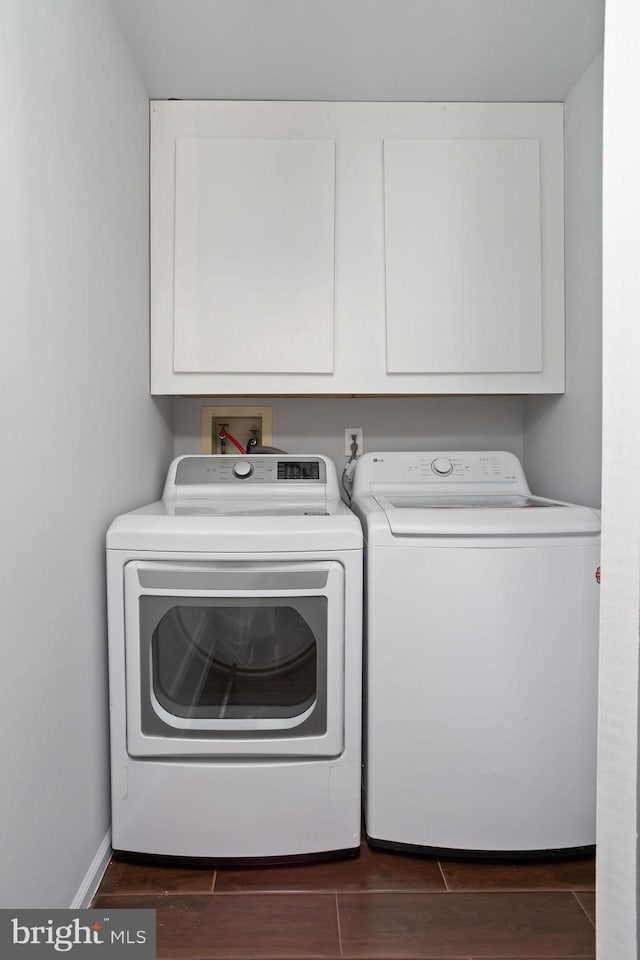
(359, 434)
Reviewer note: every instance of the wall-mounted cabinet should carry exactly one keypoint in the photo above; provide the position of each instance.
(356, 248)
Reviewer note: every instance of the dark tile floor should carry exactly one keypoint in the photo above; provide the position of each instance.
(380, 906)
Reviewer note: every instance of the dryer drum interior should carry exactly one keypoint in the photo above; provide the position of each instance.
(234, 661)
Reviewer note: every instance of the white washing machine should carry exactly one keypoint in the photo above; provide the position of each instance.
(235, 637)
(480, 657)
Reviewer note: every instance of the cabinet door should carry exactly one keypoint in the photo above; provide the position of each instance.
(254, 239)
(462, 256)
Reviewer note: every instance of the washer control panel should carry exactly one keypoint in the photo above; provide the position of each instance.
(458, 471)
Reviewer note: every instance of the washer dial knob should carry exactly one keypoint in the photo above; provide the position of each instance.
(242, 469)
(442, 467)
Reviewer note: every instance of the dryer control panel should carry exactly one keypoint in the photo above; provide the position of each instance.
(207, 474)
(259, 469)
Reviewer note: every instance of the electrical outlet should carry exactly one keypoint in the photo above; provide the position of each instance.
(349, 433)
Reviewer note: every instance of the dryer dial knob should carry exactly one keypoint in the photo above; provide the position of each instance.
(242, 469)
(442, 467)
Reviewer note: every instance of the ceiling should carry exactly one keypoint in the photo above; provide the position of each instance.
(362, 49)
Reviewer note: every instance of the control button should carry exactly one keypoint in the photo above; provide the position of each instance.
(442, 467)
(242, 469)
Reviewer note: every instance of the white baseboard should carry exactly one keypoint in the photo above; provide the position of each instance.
(93, 876)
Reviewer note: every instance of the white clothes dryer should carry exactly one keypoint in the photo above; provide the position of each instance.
(235, 640)
(480, 658)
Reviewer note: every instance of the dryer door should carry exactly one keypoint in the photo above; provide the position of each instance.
(234, 658)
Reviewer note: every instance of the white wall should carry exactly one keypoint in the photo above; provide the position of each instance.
(81, 439)
(398, 50)
(317, 425)
(562, 435)
(617, 864)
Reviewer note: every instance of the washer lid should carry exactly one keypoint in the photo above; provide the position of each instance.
(491, 515)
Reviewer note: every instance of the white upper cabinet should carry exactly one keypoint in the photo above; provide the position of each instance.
(356, 248)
